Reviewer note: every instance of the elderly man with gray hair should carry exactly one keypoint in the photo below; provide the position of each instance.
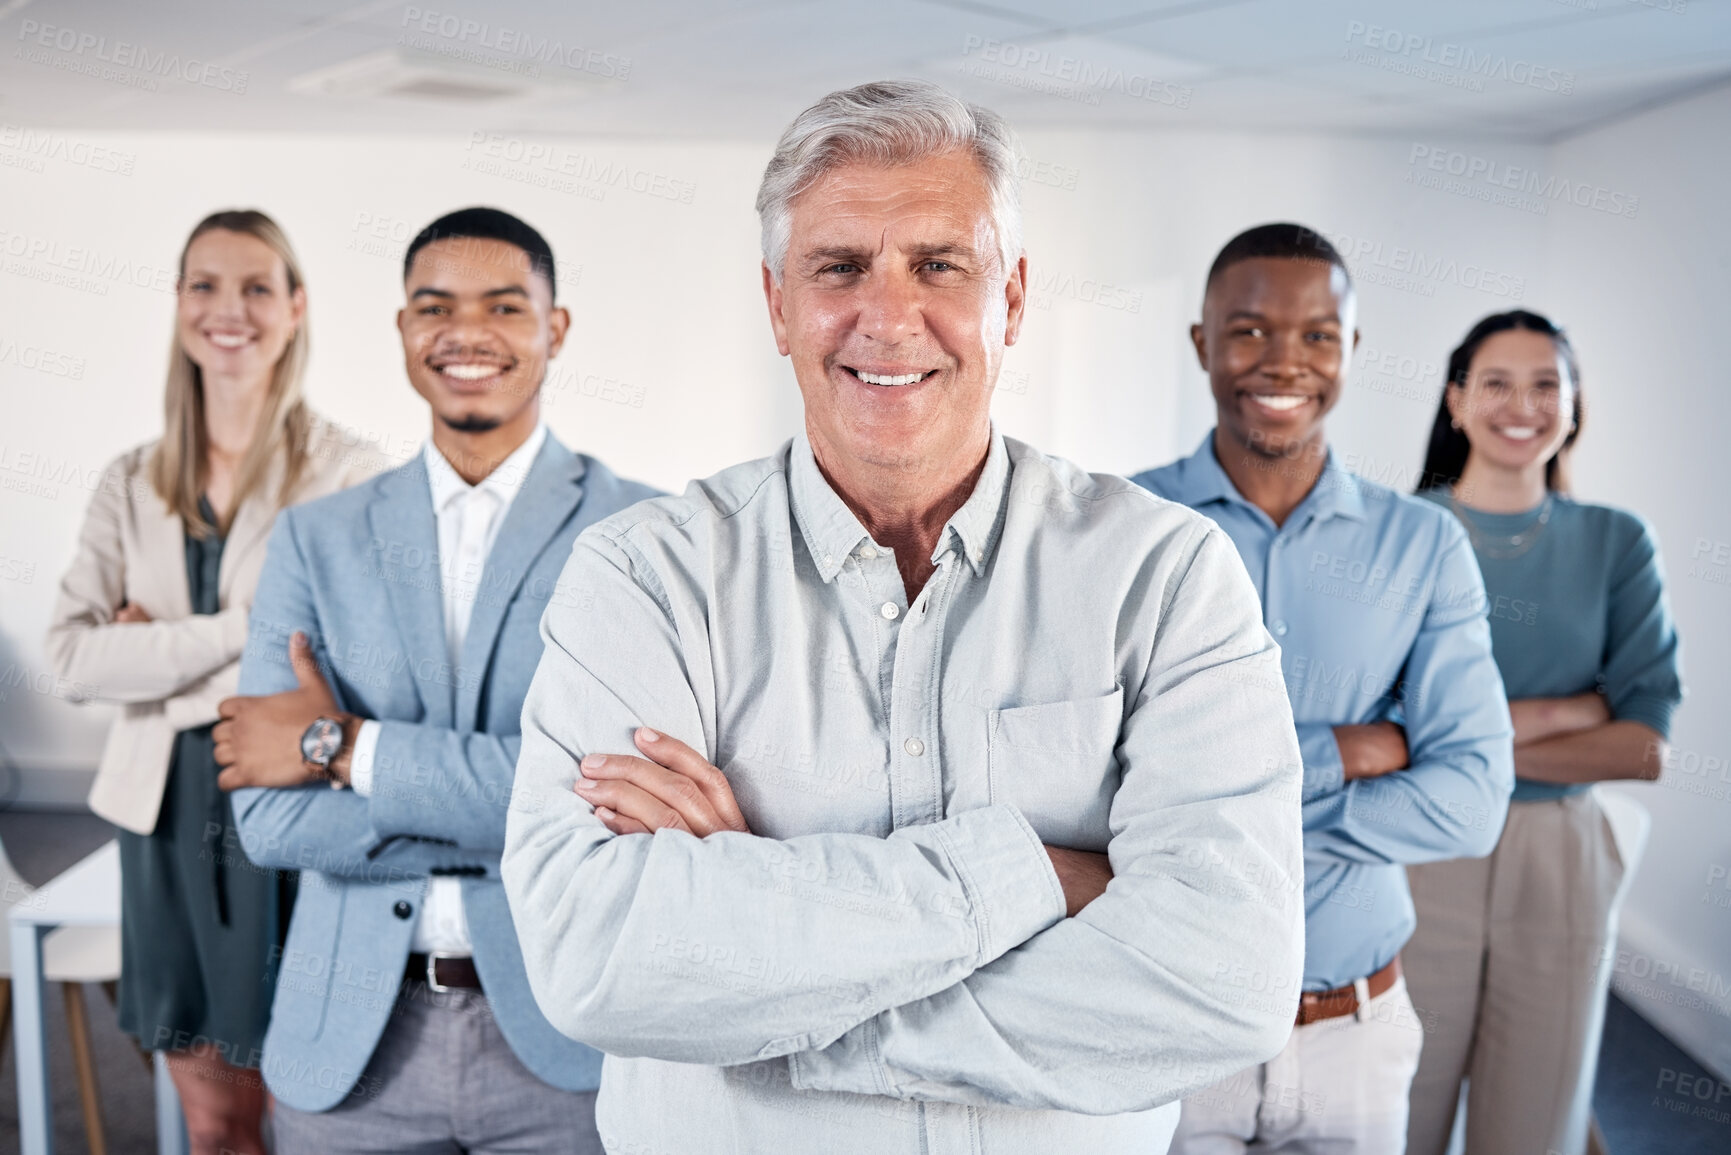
(908, 790)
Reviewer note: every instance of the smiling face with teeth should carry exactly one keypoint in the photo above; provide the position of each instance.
(895, 310)
(1276, 340)
(479, 330)
(235, 313)
(1517, 403)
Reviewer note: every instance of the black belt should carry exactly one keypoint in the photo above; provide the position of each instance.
(442, 972)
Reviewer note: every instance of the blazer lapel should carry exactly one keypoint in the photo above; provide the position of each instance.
(162, 539)
(550, 495)
(251, 528)
(404, 555)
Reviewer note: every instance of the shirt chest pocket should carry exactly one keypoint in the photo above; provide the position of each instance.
(1055, 762)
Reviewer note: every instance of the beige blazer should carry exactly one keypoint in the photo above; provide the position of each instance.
(167, 674)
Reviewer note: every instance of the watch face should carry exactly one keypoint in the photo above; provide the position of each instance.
(321, 741)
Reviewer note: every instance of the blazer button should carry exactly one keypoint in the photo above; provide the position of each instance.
(402, 909)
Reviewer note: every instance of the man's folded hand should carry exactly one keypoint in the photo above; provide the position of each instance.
(671, 786)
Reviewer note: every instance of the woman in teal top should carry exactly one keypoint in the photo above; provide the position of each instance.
(1511, 960)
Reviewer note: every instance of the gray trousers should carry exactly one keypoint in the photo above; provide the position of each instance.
(443, 1080)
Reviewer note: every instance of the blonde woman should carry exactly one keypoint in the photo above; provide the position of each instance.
(152, 615)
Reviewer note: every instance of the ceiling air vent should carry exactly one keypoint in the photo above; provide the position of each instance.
(415, 74)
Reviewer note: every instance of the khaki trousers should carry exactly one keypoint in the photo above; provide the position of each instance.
(1508, 970)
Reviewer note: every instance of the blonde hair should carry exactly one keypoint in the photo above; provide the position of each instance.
(177, 467)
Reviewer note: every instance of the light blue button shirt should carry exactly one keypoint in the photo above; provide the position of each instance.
(1379, 609)
(883, 964)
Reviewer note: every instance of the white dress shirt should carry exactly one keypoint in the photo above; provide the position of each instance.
(469, 517)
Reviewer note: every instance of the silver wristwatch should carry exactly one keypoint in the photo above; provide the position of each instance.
(321, 743)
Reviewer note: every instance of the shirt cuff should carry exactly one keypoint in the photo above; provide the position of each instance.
(1012, 888)
(851, 1064)
(361, 763)
(1323, 771)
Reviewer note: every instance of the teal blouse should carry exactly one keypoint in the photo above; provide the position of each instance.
(1577, 604)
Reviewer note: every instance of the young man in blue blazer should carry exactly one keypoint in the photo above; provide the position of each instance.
(393, 636)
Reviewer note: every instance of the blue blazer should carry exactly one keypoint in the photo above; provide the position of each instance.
(358, 571)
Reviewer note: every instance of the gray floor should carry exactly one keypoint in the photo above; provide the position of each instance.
(1638, 1116)
(1651, 1098)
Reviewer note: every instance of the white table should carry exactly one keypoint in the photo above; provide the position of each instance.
(86, 895)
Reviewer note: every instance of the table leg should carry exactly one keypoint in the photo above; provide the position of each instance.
(84, 1063)
(170, 1123)
(30, 1041)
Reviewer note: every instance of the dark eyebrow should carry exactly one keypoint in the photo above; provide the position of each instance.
(1545, 372)
(446, 294)
(1249, 315)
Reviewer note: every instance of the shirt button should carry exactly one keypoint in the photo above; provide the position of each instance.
(402, 909)
(1279, 627)
(829, 559)
(867, 553)
(891, 611)
(914, 747)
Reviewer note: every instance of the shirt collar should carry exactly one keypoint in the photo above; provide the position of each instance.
(1337, 492)
(832, 532)
(505, 482)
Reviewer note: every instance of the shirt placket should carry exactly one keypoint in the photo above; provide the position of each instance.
(1278, 550)
(916, 768)
(910, 635)
(473, 514)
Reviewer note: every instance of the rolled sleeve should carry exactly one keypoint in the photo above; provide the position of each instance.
(1643, 682)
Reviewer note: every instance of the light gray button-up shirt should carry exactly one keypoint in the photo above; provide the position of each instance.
(883, 964)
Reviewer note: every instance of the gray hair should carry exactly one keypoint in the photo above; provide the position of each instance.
(888, 122)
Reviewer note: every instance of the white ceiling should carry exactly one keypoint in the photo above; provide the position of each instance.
(742, 68)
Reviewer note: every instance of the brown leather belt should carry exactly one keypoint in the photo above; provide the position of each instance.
(1314, 1006)
(442, 972)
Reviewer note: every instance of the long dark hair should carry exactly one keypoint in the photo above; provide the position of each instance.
(1446, 458)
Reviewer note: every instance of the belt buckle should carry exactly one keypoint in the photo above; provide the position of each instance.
(433, 983)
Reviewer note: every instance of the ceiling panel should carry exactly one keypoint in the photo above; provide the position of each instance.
(740, 68)
(1277, 33)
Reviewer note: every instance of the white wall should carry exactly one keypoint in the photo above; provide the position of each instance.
(1648, 300)
(666, 304)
